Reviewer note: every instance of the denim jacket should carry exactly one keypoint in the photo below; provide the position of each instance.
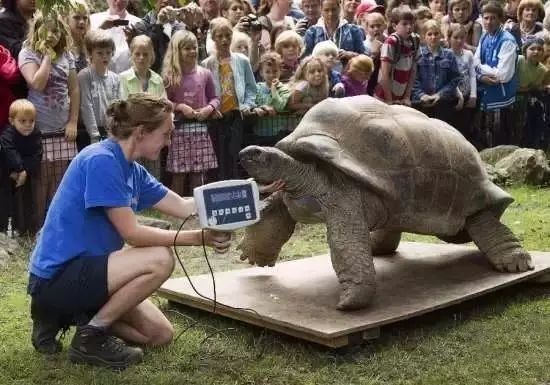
(348, 37)
(243, 78)
(436, 74)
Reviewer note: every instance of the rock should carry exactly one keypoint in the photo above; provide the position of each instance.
(8, 246)
(499, 176)
(154, 222)
(525, 166)
(494, 154)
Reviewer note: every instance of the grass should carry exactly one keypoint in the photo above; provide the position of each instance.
(503, 338)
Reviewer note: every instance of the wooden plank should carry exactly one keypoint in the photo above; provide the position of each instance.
(299, 297)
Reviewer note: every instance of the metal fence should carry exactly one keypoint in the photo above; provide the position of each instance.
(207, 151)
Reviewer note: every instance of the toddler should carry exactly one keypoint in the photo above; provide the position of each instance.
(271, 97)
(21, 153)
(290, 46)
(328, 52)
(357, 74)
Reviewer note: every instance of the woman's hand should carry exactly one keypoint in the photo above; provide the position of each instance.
(279, 184)
(185, 110)
(219, 240)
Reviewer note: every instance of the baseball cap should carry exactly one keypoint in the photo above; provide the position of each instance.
(368, 6)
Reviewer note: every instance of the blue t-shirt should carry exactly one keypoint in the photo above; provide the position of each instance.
(77, 225)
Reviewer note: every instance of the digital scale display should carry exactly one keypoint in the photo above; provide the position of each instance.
(227, 204)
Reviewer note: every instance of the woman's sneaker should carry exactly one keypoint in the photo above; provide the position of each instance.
(94, 346)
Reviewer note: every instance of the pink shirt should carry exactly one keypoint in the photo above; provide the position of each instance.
(196, 89)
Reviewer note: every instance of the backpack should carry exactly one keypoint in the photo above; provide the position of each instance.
(415, 39)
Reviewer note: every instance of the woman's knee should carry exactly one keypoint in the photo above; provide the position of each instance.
(163, 260)
(163, 335)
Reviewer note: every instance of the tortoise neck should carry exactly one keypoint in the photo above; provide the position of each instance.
(301, 178)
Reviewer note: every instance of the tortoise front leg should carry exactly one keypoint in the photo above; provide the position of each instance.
(498, 243)
(263, 241)
(350, 251)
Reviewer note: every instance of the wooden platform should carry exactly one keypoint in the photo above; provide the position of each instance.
(299, 297)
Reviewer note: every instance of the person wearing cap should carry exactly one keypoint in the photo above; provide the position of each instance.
(366, 7)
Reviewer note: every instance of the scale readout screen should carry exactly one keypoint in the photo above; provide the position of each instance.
(230, 204)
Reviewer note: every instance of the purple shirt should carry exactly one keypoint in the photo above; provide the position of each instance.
(196, 89)
(354, 87)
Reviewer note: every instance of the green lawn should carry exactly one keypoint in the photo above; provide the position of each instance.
(503, 338)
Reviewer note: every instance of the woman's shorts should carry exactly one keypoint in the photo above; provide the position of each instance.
(79, 289)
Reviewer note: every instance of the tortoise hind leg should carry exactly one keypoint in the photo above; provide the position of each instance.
(349, 240)
(263, 241)
(384, 242)
(498, 243)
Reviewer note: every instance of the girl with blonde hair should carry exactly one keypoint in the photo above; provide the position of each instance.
(191, 88)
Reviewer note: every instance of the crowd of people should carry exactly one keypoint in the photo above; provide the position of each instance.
(240, 72)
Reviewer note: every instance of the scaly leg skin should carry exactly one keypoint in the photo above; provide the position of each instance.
(263, 241)
(350, 252)
(498, 243)
(384, 242)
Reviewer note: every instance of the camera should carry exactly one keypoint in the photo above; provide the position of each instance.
(252, 23)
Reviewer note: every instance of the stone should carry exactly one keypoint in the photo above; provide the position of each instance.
(499, 176)
(8, 246)
(525, 166)
(154, 222)
(494, 154)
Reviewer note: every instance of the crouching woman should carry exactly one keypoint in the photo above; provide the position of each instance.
(79, 271)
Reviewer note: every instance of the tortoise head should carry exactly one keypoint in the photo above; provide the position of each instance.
(265, 164)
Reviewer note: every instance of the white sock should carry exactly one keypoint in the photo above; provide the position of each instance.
(98, 323)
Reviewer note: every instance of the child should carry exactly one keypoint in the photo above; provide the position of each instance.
(98, 85)
(495, 60)
(191, 89)
(309, 86)
(241, 43)
(79, 24)
(374, 25)
(530, 131)
(358, 72)
(49, 70)
(460, 11)
(438, 8)
(234, 81)
(290, 46)
(394, 4)
(21, 154)
(328, 52)
(421, 15)
(140, 78)
(271, 98)
(435, 95)
(467, 86)
(398, 56)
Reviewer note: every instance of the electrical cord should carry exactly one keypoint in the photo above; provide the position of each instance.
(214, 300)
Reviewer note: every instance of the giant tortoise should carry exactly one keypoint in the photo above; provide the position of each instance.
(371, 171)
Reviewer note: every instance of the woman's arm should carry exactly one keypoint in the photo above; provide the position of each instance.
(174, 205)
(125, 222)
